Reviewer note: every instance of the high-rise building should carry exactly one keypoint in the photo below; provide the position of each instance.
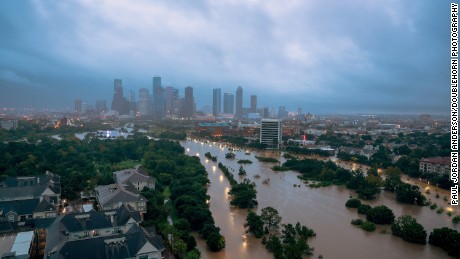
(156, 80)
(131, 96)
(119, 103)
(158, 95)
(265, 113)
(282, 113)
(77, 106)
(253, 103)
(216, 102)
(144, 102)
(270, 133)
(239, 102)
(171, 95)
(188, 103)
(101, 106)
(228, 103)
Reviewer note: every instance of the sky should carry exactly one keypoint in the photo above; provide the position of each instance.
(325, 56)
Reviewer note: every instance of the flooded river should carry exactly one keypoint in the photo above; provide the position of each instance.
(322, 209)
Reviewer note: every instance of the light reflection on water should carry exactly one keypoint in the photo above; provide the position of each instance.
(322, 209)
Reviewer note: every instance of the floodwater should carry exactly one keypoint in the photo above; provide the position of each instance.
(322, 209)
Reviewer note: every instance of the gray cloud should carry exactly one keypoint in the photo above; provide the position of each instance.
(353, 55)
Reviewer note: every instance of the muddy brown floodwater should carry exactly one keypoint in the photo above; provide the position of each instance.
(322, 209)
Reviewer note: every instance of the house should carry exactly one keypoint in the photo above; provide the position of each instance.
(103, 234)
(113, 196)
(136, 176)
(26, 198)
(439, 165)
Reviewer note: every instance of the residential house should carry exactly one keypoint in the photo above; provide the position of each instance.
(103, 234)
(136, 176)
(439, 165)
(31, 197)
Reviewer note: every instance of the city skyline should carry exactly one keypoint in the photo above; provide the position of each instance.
(348, 57)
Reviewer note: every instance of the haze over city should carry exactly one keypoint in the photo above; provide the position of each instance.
(323, 56)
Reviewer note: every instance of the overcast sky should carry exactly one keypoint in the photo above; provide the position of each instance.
(357, 56)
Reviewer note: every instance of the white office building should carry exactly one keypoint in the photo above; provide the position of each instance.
(270, 133)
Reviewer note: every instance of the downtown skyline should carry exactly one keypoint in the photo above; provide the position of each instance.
(323, 57)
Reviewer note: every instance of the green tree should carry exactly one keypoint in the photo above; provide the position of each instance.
(353, 203)
(271, 219)
(254, 224)
(446, 238)
(215, 242)
(380, 215)
(368, 226)
(407, 227)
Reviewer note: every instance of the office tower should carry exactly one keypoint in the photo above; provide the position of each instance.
(158, 95)
(270, 133)
(143, 106)
(253, 103)
(228, 103)
(188, 103)
(119, 103)
(171, 95)
(266, 113)
(282, 113)
(101, 106)
(216, 102)
(131, 96)
(239, 102)
(77, 106)
(156, 81)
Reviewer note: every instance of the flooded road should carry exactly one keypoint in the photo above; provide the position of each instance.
(322, 209)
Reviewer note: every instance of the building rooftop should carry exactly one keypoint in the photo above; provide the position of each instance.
(17, 244)
(437, 160)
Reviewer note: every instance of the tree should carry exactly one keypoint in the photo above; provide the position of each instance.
(380, 215)
(274, 246)
(215, 242)
(446, 238)
(244, 195)
(295, 241)
(393, 179)
(370, 187)
(271, 219)
(368, 226)
(254, 224)
(408, 193)
(407, 227)
(353, 203)
(364, 208)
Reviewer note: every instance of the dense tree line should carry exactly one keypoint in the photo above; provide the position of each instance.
(80, 163)
(187, 184)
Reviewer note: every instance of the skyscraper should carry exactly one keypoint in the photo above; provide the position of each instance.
(228, 103)
(189, 103)
(119, 103)
(216, 102)
(158, 94)
(131, 96)
(144, 102)
(156, 81)
(253, 103)
(101, 106)
(239, 102)
(270, 133)
(170, 97)
(77, 106)
(282, 113)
